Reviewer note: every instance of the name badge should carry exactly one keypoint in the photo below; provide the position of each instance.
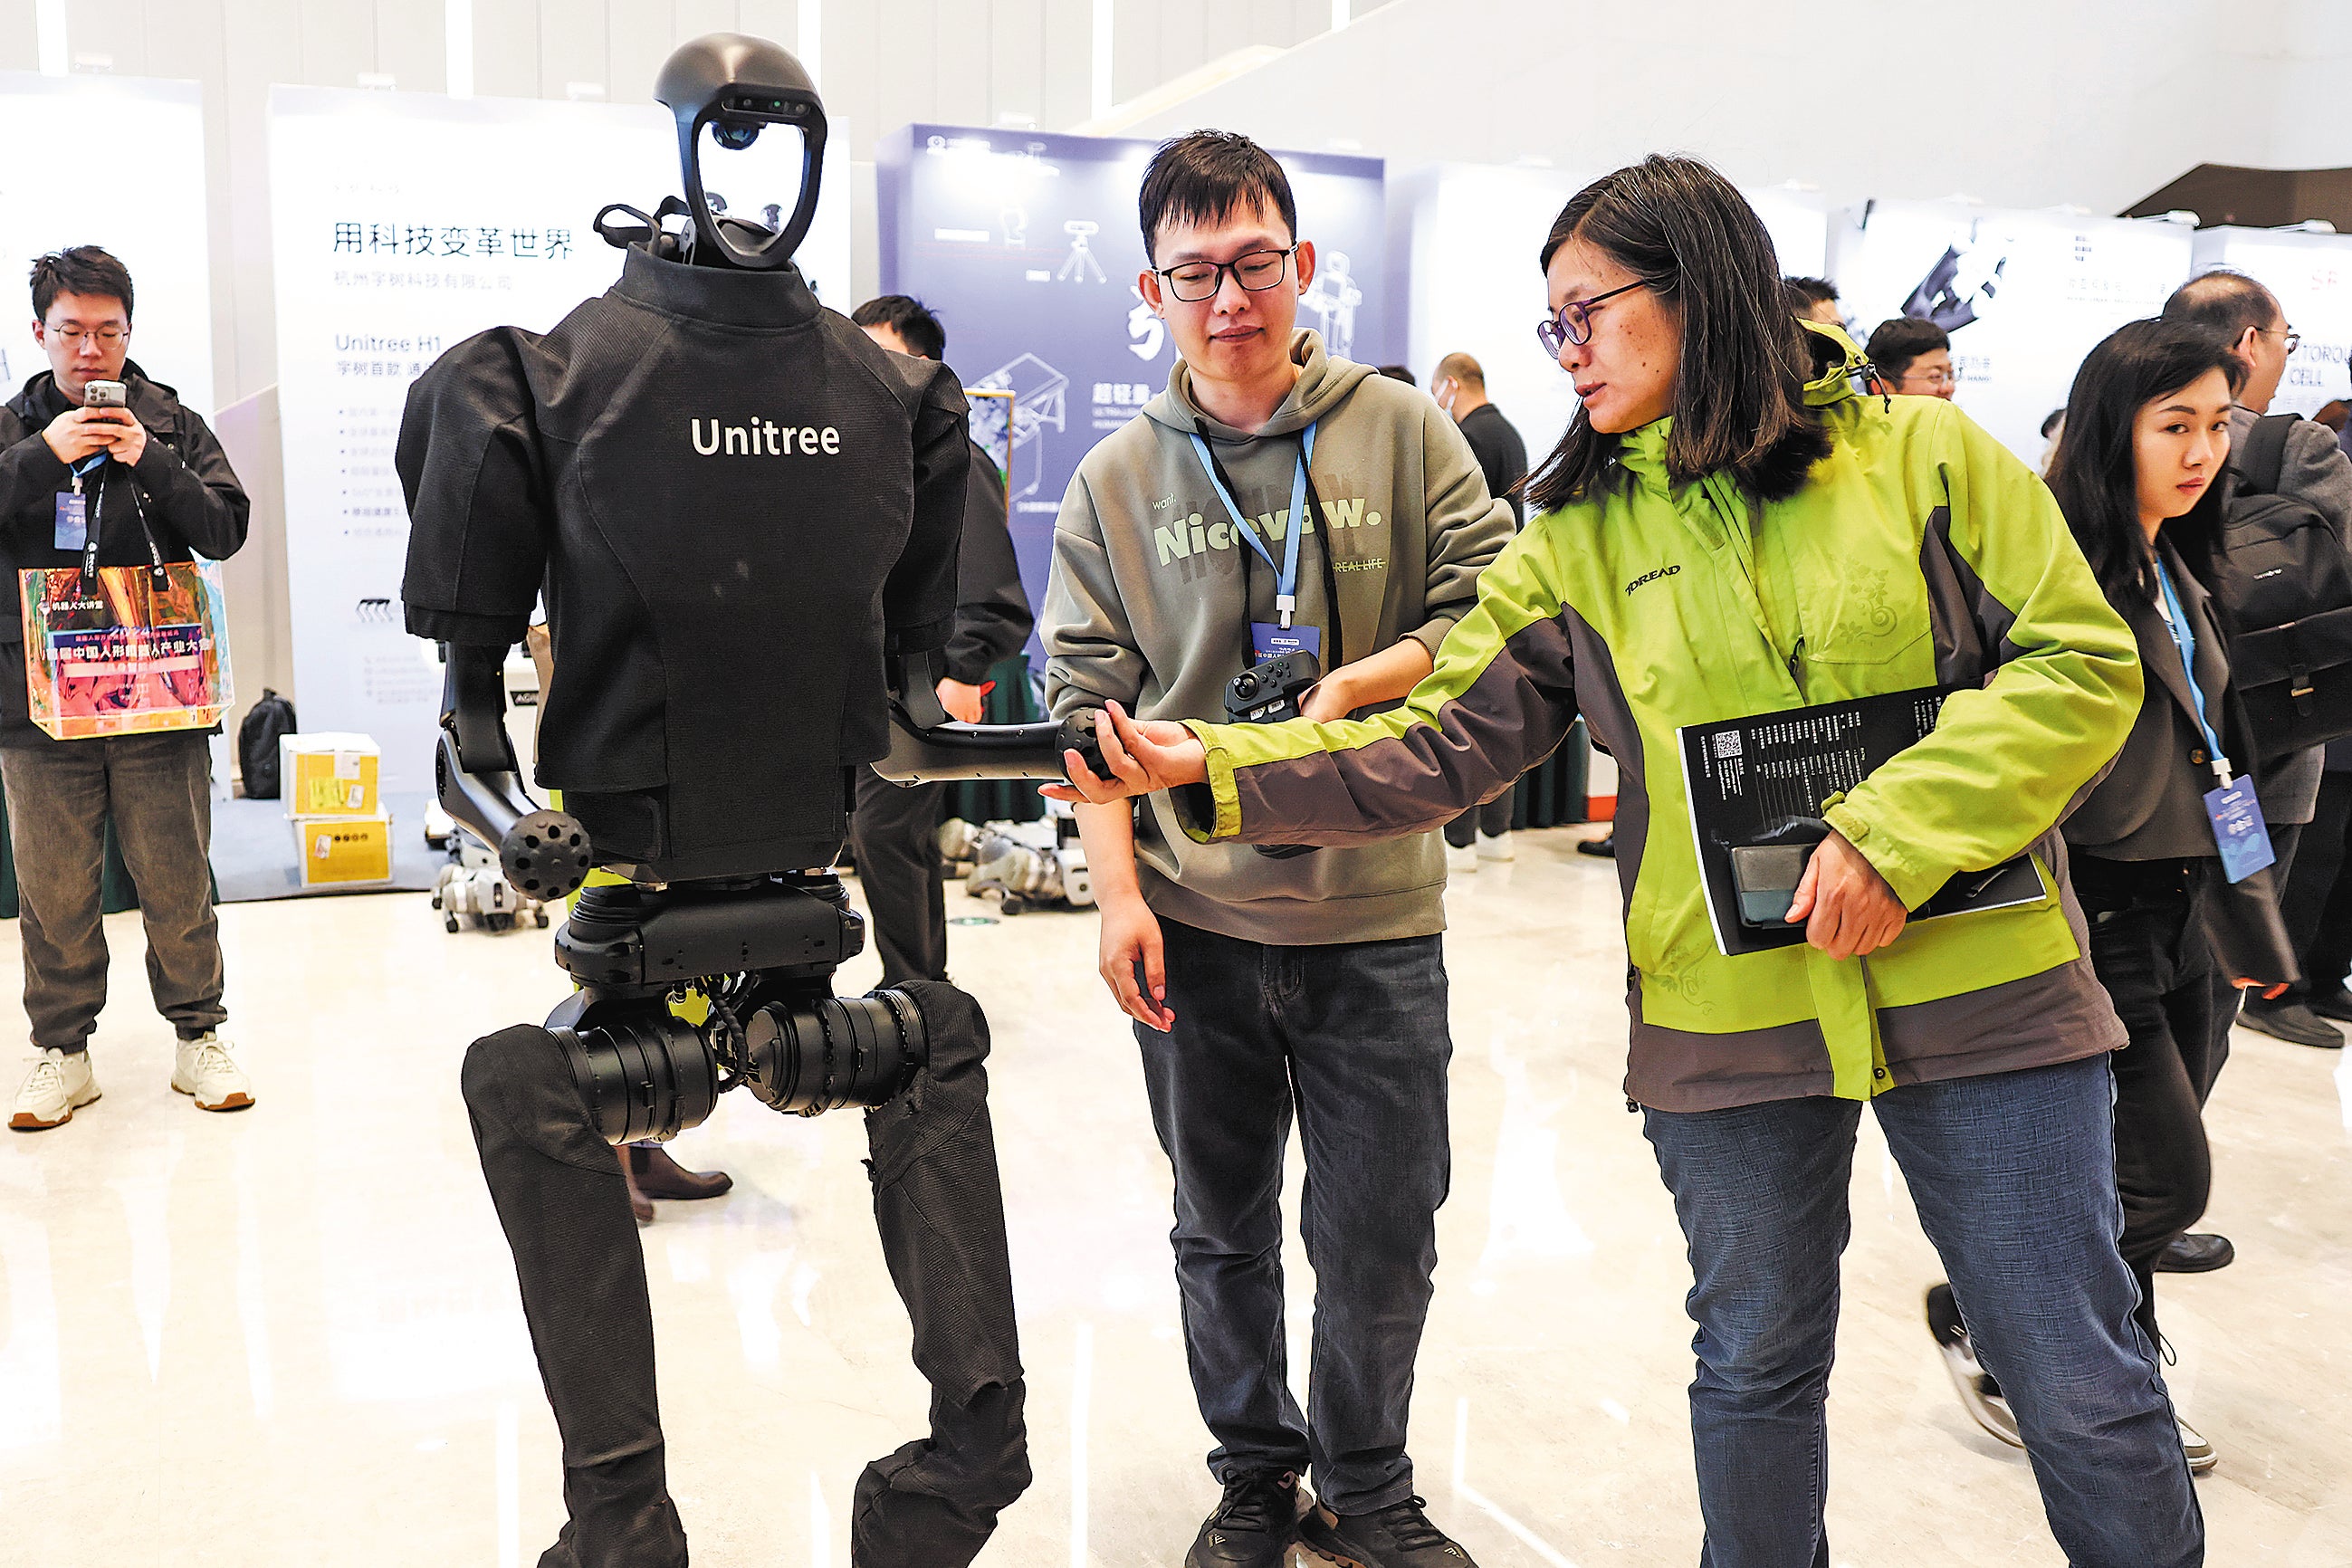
(2239, 829)
(1269, 640)
(73, 521)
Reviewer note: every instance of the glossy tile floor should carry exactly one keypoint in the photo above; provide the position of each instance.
(290, 1335)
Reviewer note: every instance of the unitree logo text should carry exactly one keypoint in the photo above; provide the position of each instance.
(764, 438)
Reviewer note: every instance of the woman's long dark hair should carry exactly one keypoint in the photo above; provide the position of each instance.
(2095, 475)
(1740, 395)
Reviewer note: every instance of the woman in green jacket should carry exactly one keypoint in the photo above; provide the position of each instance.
(1728, 530)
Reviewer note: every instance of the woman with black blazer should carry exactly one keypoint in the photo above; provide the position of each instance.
(2148, 435)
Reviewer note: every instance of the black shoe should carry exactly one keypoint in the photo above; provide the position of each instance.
(2195, 1254)
(1254, 1525)
(2292, 1022)
(2336, 1004)
(1605, 847)
(1398, 1536)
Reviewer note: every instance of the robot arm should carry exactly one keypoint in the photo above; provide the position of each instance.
(543, 852)
(927, 746)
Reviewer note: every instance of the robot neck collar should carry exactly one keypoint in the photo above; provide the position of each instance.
(771, 300)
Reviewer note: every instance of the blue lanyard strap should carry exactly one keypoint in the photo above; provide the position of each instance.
(2184, 642)
(1286, 572)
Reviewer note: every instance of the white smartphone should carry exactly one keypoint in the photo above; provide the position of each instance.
(103, 395)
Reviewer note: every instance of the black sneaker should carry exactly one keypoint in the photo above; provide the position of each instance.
(1398, 1536)
(1253, 1524)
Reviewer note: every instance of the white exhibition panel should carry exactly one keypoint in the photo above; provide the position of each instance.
(404, 223)
(1476, 232)
(2312, 276)
(2044, 288)
(145, 204)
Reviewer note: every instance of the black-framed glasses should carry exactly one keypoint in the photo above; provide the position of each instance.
(1573, 322)
(1255, 270)
(2294, 339)
(110, 336)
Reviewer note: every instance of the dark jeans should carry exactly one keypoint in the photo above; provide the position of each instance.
(2317, 898)
(2014, 1176)
(895, 835)
(564, 1206)
(1493, 819)
(158, 790)
(1351, 1037)
(2148, 946)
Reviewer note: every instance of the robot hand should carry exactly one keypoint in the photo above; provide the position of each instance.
(545, 854)
(926, 745)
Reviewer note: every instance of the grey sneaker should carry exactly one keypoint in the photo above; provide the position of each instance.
(1980, 1396)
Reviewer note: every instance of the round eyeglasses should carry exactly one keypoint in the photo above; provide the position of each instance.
(1573, 321)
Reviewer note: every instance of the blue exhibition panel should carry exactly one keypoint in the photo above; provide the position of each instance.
(1028, 248)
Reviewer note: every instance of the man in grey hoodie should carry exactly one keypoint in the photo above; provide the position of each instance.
(1276, 498)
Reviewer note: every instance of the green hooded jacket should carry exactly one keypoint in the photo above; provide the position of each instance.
(1918, 552)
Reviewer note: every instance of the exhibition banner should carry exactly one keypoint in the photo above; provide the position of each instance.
(147, 209)
(1026, 246)
(404, 223)
(1476, 233)
(2312, 276)
(2024, 295)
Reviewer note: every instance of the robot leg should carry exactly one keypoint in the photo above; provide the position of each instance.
(565, 1208)
(941, 1212)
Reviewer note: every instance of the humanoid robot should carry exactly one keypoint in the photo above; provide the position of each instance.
(743, 518)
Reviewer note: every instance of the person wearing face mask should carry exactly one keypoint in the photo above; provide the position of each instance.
(1277, 498)
(1728, 530)
(2311, 471)
(2148, 435)
(1460, 388)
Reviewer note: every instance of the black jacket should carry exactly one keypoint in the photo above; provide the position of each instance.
(993, 616)
(1502, 456)
(736, 504)
(193, 504)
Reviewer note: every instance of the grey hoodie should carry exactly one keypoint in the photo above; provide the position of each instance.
(1153, 594)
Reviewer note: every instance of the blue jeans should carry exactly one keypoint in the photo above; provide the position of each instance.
(2014, 1178)
(1352, 1039)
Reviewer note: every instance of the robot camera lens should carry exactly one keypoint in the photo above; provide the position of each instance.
(734, 138)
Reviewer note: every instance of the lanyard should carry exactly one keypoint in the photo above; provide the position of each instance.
(96, 462)
(2184, 642)
(1286, 572)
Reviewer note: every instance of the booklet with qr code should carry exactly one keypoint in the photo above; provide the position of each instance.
(1745, 778)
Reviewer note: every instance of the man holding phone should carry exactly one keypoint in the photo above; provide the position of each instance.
(89, 450)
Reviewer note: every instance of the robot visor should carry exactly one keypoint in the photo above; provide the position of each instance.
(753, 168)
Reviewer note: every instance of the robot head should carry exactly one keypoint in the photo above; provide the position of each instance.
(750, 142)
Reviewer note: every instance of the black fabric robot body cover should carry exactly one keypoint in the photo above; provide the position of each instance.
(675, 463)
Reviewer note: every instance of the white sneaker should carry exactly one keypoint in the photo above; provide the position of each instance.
(2200, 1455)
(59, 1084)
(1496, 846)
(201, 1068)
(1464, 858)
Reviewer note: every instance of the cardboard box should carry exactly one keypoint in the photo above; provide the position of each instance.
(330, 774)
(341, 851)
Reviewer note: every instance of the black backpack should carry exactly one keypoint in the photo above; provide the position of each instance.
(2282, 586)
(257, 743)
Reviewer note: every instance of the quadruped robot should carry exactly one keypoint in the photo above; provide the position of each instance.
(744, 517)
